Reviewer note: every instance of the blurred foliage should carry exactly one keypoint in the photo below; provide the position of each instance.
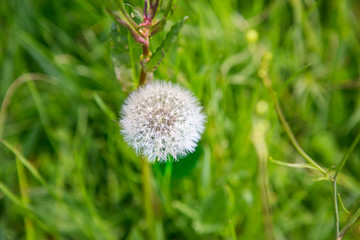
(92, 189)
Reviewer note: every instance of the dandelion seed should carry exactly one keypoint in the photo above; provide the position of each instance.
(162, 119)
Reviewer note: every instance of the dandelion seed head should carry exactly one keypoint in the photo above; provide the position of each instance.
(162, 119)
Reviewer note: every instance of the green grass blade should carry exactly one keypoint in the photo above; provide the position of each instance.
(347, 155)
(104, 107)
(11, 196)
(26, 210)
(25, 162)
(24, 190)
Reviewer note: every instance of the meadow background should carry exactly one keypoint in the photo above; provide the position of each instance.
(81, 181)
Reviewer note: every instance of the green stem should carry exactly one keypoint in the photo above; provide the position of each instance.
(263, 74)
(146, 176)
(336, 211)
(232, 229)
(146, 184)
(148, 198)
(166, 186)
(291, 136)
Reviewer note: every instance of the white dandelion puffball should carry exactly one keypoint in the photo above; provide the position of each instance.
(162, 119)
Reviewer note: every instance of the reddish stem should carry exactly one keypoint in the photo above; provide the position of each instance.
(145, 25)
(142, 77)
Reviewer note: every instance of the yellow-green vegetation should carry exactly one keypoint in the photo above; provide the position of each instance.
(279, 82)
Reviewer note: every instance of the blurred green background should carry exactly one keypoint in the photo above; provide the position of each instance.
(84, 182)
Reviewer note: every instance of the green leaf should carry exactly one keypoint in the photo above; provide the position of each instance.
(14, 199)
(135, 15)
(165, 46)
(342, 204)
(25, 162)
(184, 166)
(25, 208)
(185, 209)
(104, 107)
(158, 27)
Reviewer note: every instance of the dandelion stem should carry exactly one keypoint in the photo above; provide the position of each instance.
(142, 77)
(145, 168)
(148, 198)
(146, 25)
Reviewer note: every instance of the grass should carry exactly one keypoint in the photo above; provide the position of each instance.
(66, 173)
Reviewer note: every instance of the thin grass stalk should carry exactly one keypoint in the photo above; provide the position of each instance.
(335, 194)
(12, 89)
(263, 73)
(24, 187)
(292, 138)
(347, 155)
(42, 181)
(26, 210)
(336, 209)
